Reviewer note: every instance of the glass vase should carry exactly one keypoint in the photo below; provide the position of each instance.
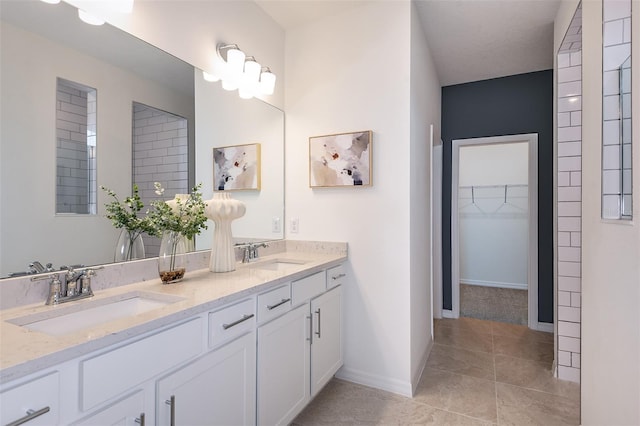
(172, 259)
(129, 246)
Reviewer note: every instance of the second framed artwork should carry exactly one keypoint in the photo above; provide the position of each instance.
(340, 160)
(236, 168)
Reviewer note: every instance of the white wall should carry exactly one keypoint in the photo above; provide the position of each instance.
(339, 80)
(425, 110)
(494, 164)
(190, 31)
(611, 249)
(610, 347)
(30, 227)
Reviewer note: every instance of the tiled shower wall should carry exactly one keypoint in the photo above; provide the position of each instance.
(159, 155)
(72, 169)
(569, 205)
(616, 110)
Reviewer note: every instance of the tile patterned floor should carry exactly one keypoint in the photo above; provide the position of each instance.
(479, 373)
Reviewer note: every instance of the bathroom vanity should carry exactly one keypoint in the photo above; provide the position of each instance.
(252, 346)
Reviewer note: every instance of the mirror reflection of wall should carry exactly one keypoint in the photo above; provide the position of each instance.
(616, 110)
(75, 148)
(41, 42)
(160, 154)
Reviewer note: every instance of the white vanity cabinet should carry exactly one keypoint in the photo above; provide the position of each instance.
(218, 388)
(129, 411)
(257, 360)
(33, 403)
(300, 351)
(326, 343)
(283, 367)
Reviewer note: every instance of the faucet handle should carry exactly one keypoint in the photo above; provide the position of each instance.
(55, 288)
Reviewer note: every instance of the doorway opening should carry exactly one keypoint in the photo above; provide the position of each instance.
(494, 228)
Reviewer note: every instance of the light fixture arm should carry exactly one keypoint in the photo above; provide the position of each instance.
(223, 48)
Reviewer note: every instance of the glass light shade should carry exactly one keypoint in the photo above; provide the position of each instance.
(267, 82)
(210, 77)
(230, 83)
(249, 80)
(51, 1)
(252, 71)
(89, 18)
(245, 92)
(235, 62)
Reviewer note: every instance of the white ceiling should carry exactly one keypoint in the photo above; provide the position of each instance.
(470, 40)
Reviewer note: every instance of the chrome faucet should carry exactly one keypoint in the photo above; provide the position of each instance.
(78, 285)
(251, 252)
(36, 267)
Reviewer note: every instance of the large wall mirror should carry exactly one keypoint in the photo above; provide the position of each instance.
(139, 90)
(616, 110)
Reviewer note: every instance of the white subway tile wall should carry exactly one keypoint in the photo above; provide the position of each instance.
(75, 148)
(160, 154)
(616, 110)
(569, 210)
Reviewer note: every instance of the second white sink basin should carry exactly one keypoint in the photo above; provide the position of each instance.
(83, 314)
(278, 264)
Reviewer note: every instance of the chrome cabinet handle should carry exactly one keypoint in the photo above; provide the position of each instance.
(282, 302)
(318, 332)
(140, 420)
(310, 338)
(337, 277)
(233, 324)
(172, 403)
(31, 414)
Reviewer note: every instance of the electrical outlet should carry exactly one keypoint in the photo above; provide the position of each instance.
(294, 226)
(275, 225)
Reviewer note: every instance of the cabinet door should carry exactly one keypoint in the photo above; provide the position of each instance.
(326, 344)
(283, 367)
(37, 400)
(217, 389)
(127, 412)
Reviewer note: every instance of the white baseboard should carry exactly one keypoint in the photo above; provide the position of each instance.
(447, 313)
(383, 383)
(415, 380)
(496, 284)
(545, 326)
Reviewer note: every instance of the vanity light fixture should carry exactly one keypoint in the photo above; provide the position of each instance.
(242, 72)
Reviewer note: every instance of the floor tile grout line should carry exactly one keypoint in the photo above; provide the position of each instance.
(463, 348)
(424, 404)
(535, 390)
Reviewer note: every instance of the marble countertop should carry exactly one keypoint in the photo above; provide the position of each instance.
(23, 351)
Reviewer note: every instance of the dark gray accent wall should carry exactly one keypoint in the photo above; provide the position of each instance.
(504, 106)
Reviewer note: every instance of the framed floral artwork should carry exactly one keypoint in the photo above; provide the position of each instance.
(340, 160)
(236, 168)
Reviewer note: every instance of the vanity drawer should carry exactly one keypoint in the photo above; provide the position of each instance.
(308, 287)
(111, 373)
(274, 302)
(336, 276)
(231, 321)
(40, 395)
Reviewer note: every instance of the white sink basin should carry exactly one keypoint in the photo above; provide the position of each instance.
(84, 314)
(278, 264)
